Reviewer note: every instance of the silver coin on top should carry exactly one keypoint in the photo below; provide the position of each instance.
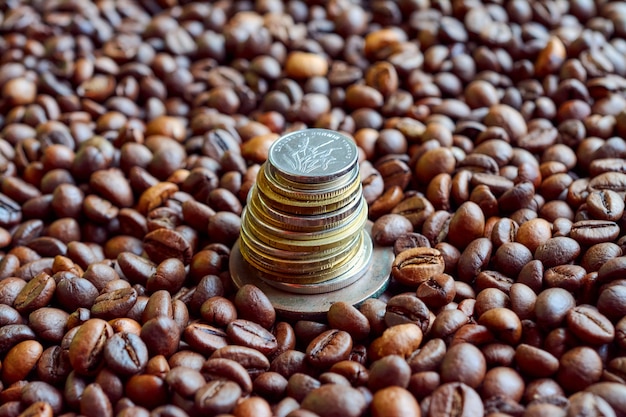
(313, 155)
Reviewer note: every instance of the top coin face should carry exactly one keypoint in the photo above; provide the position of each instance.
(313, 155)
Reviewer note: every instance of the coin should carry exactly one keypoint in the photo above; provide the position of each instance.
(294, 191)
(302, 227)
(313, 155)
(269, 216)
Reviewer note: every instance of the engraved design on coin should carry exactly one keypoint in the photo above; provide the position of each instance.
(313, 154)
(307, 159)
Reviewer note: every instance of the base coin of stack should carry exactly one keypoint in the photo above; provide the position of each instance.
(303, 225)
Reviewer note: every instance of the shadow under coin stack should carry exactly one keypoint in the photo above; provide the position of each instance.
(303, 231)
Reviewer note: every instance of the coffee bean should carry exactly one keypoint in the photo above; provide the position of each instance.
(389, 227)
(217, 396)
(455, 398)
(329, 348)
(126, 353)
(590, 325)
(557, 251)
(407, 308)
(414, 266)
(569, 375)
(252, 304)
(331, 398)
(463, 363)
(343, 316)
(590, 232)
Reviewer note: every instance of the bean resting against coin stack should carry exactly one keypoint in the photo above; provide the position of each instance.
(489, 142)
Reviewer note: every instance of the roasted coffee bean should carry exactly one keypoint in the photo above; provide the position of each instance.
(437, 291)
(410, 241)
(217, 397)
(86, 349)
(35, 294)
(343, 316)
(414, 266)
(329, 348)
(221, 368)
(407, 308)
(252, 304)
(557, 251)
(126, 353)
(455, 398)
(587, 323)
(590, 232)
(389, 227)
(463, 363)
(569, 374)
(161, 335)
(332, 398)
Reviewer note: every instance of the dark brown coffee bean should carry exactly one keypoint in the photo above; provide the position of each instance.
(570, 374)
(503, 382)
(86, 349)
(416, 209)
(162, 244)
(467, 224)
(252, 304)
(587, 323)
(567, 277)
(437, 291)
(463, 363)
(329, 348)
(114, 304)
(126, 353)
(583, 403)
(343, 316)
(270, 385)
(299, 385)
(599, 254)
(161, 335)
(557, 251)
(535, 362)
(389, 227)
(455, 398)
(37, 293)
(49, 323)
(552, 306)
(331, 398)
(605, 205)
(414, 266)
(388, 371)
(407, 308)
(591, 232)
(217, 397)
(221, 368)
(169, 275)
(611, 392)
(474, 258)
(250, 334)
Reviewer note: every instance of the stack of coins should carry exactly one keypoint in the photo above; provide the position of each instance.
(302, 228)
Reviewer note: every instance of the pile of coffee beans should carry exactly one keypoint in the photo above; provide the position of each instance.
(492, 152)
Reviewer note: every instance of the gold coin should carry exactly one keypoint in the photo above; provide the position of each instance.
(327, 271)
(284, 242)
(309, 207)
(262, 210)
(299, 267)
(363, 257)
(274, 229)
